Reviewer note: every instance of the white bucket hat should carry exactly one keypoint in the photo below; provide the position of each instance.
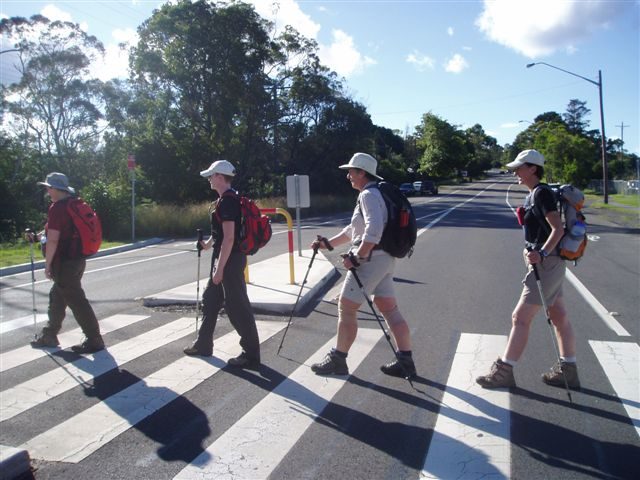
(219, 166)
(363, 161)
(532, 157)
(59, 181)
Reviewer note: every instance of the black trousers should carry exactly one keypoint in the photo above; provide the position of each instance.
(232, 294)
(67, 292)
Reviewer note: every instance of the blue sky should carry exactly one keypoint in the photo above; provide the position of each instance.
(461, 60)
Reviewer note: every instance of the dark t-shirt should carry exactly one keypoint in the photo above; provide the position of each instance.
(537, 232)
(59, 219)
(226, 209)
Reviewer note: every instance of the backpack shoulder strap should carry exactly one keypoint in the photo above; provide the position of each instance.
(535, 208)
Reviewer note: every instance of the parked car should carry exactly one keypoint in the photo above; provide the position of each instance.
(407, 189)
(425, 187)
(632, 186)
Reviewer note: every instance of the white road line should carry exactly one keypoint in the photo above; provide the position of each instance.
(38, 390)
(22, 355)
(471, 438)
(126, 264)
(449, 210)
(83, 434)
(602, 312)
(259, 441)
(21, 322)
(621, 363)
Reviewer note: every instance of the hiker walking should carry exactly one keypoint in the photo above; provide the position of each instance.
(375, 270)
(65, 265)
(226, 285)
(541, 242)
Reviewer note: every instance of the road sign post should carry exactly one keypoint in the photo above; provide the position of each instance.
(131, 165)
(298, 197)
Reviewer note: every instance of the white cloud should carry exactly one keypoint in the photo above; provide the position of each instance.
(450, 31)
(456, 64)
(287, 12)
(116, 60)
(537, 28)
(420, 61)
(342, 56)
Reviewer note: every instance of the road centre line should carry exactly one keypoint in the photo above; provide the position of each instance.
(449, 210)
(255, 445)
(22, 355)
(621, 364)
(471, 437)
(81, 435)
(38, 390)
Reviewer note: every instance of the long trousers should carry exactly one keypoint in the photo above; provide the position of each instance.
(232, 294)
(67, 292)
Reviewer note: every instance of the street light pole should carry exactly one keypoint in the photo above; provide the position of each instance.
(603, 143)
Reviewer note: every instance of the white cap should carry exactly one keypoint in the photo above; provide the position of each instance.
(532, 157)
(219, 166)
(363, 161)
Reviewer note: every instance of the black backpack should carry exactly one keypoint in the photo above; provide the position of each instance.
(400, 232)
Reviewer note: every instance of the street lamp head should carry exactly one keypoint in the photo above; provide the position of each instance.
(529, 65)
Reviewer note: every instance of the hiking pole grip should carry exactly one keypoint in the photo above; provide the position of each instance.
(325, 242)
(199, 243)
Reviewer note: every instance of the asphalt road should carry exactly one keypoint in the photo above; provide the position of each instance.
(457, 292)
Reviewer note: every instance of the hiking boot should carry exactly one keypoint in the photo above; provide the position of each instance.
(402, 367)
(555, 375)
(244, 361)
(195, 350)
(501, 375)
(89, 346)
(331, 365)
(44, 340)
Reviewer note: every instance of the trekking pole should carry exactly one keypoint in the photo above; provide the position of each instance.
(554, 340)
(384, 331)
(199, 248)
(31, 236)
(315, 251)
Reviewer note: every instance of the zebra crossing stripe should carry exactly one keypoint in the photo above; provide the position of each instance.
(259, 441)
(22, 355)
(38, 390)
(21, 322)
(471, 434)
(83, 434)
(621, 363)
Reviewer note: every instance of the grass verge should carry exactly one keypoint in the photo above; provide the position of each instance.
(17, 253)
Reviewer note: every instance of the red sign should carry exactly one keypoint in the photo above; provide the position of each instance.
(131, 162)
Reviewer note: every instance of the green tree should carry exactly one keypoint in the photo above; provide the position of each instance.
(441, 146)
(575, 115)
(200, 71)
(56, 111)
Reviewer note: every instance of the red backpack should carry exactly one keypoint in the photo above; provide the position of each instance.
(255, 228)
(87, 225)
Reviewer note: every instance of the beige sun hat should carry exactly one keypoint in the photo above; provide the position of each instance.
(363, 161)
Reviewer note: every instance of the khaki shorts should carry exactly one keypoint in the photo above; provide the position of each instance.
(551, 271)
(376, 276)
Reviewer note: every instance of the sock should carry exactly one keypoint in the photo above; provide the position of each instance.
(405, 353)
(509, 362)
(568, 359)
(338, 353)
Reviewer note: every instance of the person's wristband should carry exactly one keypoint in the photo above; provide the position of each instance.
(543, 253)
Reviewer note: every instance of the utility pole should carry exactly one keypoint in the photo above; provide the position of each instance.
(622, 135)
